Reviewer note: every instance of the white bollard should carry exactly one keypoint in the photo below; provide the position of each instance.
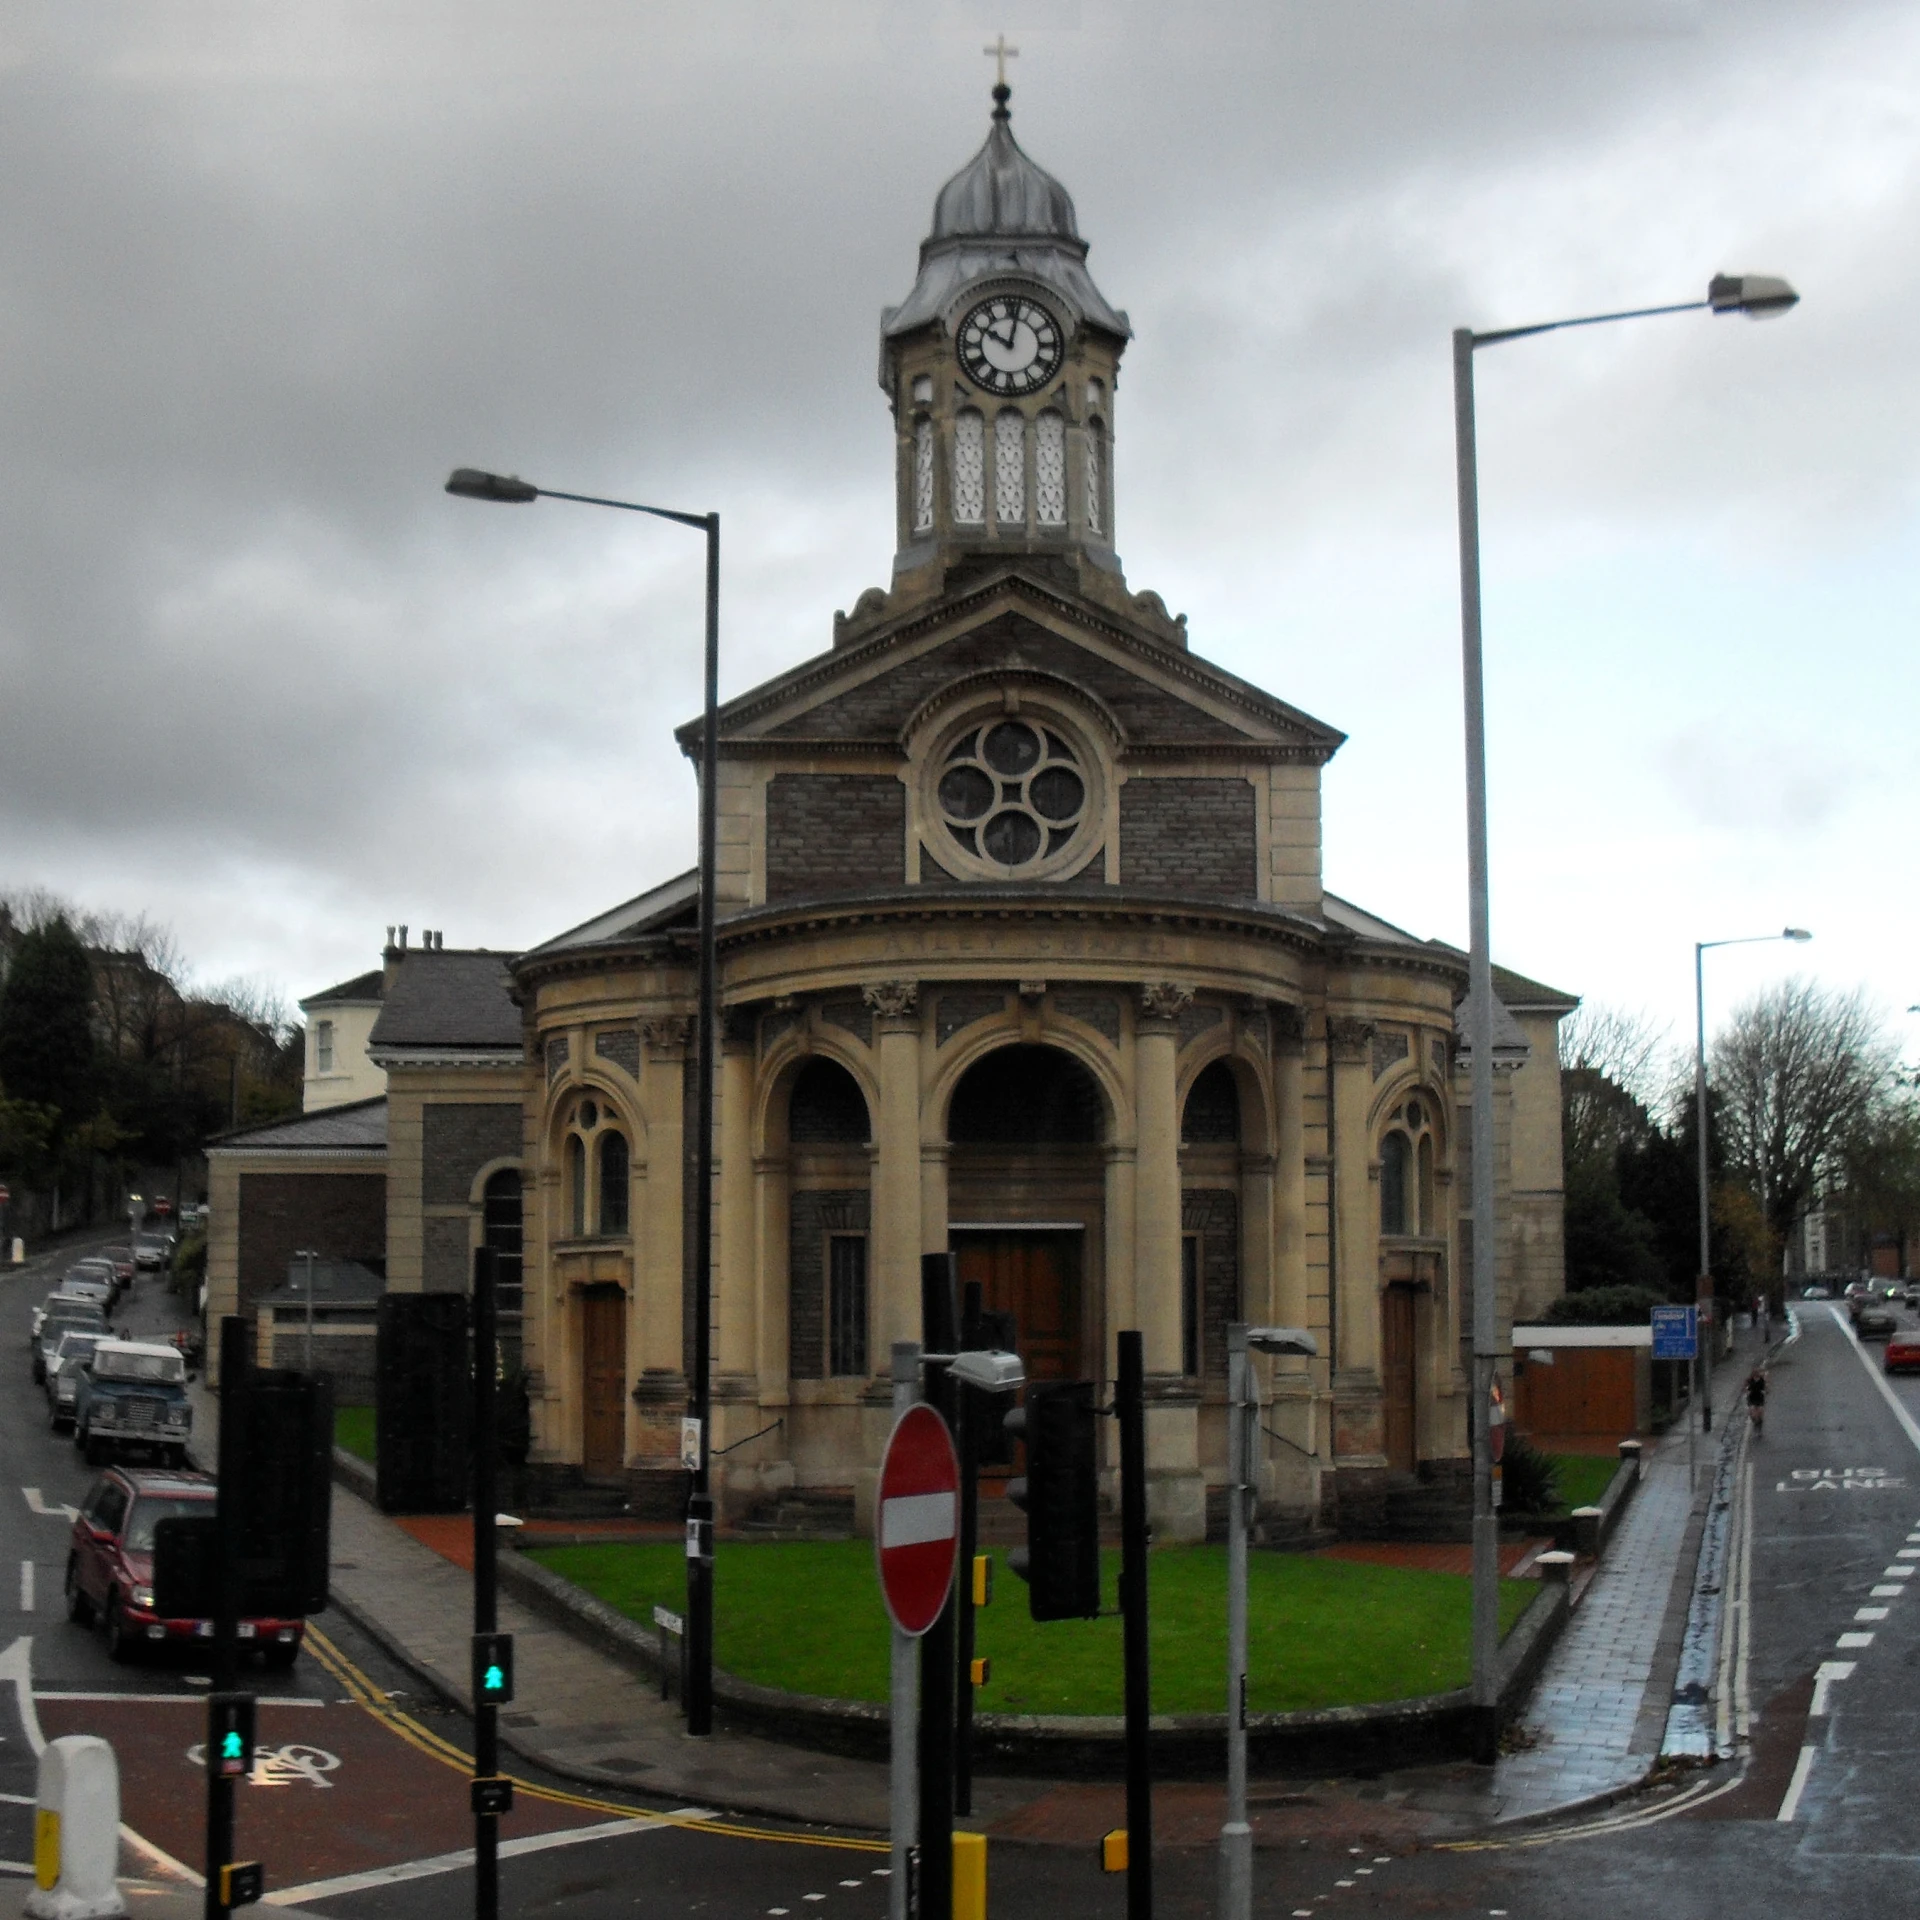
(76, 1832)
(19, 1253)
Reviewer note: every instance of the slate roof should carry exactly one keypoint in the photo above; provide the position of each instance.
(449, 998)
(336, 1283)
(650, 912)
(358, 1127)
(362, 987)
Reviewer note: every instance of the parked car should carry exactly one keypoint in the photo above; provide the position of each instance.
(1912, 1295)
(64, 1316)
(133, 1393)
(121, 1259)
(1875, 1321)
(110, 1566)
(1816, 1292)
(152, 1251)
(1903, 1352)
(89, 1282)
(64, 1364)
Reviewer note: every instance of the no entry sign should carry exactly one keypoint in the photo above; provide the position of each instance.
(916, 1532)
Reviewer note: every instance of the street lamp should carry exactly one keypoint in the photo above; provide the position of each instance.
(1703, 1285)
(508, 489)
(1243, 1427)
(1757, 296)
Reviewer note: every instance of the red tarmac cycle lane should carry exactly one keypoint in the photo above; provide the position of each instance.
(336, 1793)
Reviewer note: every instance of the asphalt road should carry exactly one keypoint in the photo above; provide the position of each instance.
(358, 1805)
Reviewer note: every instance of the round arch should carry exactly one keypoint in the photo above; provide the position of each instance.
(791, 1055)
(970, 1050)
(1254, 1085)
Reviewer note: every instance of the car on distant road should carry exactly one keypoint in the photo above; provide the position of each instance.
(1816, 1292)
(1875, 1321)
(110, 1567)
(64, 1313)
(133, 1393)
(152, 1251)
(1903, 1351)
(70, 1354)
(120, 1257)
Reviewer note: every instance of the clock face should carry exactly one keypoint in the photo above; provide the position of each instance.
(1010, 345)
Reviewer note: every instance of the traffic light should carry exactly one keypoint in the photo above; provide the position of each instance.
(1060, 1495)
(242, 1882)
(492, 1669)
(230, 1734)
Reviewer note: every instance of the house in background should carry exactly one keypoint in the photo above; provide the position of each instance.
(339, 1023)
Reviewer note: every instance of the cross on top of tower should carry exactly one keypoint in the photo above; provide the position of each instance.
(1001, 53)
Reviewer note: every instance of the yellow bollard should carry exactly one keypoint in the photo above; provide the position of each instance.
(969, 1876)
(1113, 1851)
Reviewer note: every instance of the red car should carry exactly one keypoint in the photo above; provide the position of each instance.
(1903, 1351)
(110, 1567)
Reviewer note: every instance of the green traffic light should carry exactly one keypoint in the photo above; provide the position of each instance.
(493, 1679)
(230, 1747)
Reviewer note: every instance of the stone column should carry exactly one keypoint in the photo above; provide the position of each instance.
(1359, 1433)
(1292, 1478)
(733, 1228)
(896, 1234)
(656, 1324)
(1176, 1491)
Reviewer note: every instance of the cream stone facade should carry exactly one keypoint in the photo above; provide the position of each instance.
(1025, 954)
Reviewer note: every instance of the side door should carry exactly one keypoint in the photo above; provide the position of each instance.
(101, 1518)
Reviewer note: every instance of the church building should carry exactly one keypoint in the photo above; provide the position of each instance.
(1024, 952)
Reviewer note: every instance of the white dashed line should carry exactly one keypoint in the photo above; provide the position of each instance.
(26, 1586)
(1886, 1593)
(1848, 1641)
(1871, 1613)
(1797, 1785)
(1897, 1573)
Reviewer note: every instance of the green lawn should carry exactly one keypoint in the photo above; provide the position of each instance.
(1583, 1477)
(806, 1616)
(353, 1430)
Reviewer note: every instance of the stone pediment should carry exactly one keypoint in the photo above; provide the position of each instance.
(1155, 698)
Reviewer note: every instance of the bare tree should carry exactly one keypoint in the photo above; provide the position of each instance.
(1799, 1072)
(1612, 1077)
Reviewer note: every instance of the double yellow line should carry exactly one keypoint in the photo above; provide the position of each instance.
(364, 1694)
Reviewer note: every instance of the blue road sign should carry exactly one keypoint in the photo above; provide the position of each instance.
(1674, 1336)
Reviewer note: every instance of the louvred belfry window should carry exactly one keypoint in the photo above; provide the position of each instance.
(1050, 470)
(969, 468)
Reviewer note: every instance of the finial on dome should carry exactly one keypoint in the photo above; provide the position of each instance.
(1001, 95)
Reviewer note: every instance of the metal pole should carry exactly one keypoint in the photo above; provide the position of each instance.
(1236, 1836)
(486, 1456)
(1703, 1285)
(226, 1612)
(903, 1799)
(309, 1310)
(940, 1329)
(1486, 1535)
(972, 1408)
(1131, 1406)
(699, 1689)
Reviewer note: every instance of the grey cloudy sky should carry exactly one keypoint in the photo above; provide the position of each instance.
(268, 271)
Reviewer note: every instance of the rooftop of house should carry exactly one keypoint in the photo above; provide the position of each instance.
(360, 1126)
(364, 989)
(440, 999)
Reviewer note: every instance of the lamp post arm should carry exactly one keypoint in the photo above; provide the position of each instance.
(1494, 338)
(707, 522)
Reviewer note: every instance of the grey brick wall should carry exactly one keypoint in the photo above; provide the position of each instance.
(811, 1217)
(1189, 836)
(834, 833)
(446, 1261)
(457, 1141)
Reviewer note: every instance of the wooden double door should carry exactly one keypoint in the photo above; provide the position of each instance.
(1035, 1276)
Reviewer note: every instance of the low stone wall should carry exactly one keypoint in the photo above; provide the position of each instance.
(1334, 1739)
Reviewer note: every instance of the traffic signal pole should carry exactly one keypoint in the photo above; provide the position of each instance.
(940, 1328)
(1130, 1404)
(971, 1411)
(226, 1612)
(486, 1454)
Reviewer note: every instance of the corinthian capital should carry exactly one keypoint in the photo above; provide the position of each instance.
(666, 1032)
(892, 999)
(1164, 1000)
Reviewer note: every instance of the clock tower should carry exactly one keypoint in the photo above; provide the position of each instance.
(1000, 366)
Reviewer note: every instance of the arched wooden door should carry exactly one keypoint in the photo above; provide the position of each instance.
(603, 1384)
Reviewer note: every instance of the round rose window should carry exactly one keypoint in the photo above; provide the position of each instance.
(1012, 792)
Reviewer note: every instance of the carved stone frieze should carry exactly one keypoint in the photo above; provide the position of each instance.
(666, 1032)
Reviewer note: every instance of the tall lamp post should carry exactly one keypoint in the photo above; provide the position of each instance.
(471, 484)
(1703, 1286)
(1752, 294)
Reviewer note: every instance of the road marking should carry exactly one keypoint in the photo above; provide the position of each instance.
(1871, 1613)
(70, 1514)
(454, 1862)
(1847, 1640)
(1797, 1785)
(1897, 1573)
(1886, 1593)
(1908, 1425)
(174, 1699)
(19, 1799)
(26, 1586)
(1824, 1675)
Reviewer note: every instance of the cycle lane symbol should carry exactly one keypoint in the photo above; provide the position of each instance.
(282, 1766)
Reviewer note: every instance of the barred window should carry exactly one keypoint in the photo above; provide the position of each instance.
(847, 1303)
(1010, 469)
(1096, 477)
(500, 1229)
(1050, 470)
(969, 468)
(922, 474)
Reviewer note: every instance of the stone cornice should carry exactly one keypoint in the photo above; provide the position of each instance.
(436, 1057)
